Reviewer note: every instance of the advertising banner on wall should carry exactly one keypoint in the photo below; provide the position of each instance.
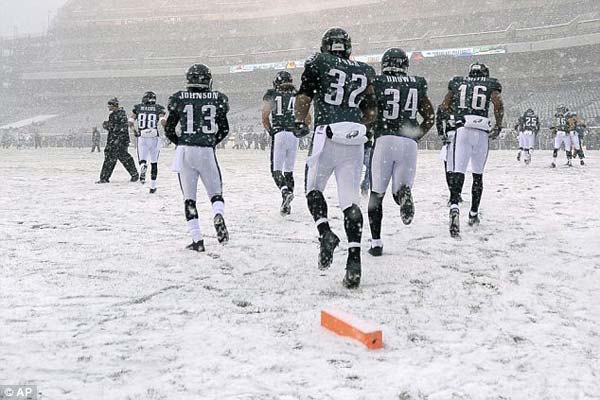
(376, 58)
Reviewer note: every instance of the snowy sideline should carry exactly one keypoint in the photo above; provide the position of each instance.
(99, 300)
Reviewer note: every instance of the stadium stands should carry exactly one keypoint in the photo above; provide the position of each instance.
(549, 50)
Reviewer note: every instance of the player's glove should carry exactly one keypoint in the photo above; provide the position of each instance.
(173, 138)
(328, 132)
(301, 129)
(495, 132)
(444, 138)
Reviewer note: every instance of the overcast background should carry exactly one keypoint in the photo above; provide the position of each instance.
(28, 16)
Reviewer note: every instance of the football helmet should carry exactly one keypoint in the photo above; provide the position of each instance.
(282, 79)
(199, 76)
(113, 102)
(394, 60)
(479, 70)
(149, 98)
(336, 41)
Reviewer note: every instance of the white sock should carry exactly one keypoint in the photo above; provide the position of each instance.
(376, 243)
(194, 229)
(321, 221)
(218, 207)
(153, 184)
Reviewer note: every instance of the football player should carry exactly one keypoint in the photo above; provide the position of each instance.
(400, 99)
(344, 101)
(145, 120)
(560, 128)
(470, 97)
(528, 127)
(278, 120)
(202, 114)
(577, 128)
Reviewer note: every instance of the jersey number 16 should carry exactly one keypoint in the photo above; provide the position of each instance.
(478, 97)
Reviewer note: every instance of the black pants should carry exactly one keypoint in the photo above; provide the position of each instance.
(115, 153)
(96, 146)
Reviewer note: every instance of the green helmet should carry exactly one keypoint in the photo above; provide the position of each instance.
(336, 41)
(394, 61)
(479, 70)
(199, 76)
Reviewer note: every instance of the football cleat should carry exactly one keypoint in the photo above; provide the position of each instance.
(569, 163)
(286, 207)
(351, 280)
(407, 206)
(152, 190)
(376, 251)
(329, 241)
(222, 233)
(353, 274)
(196, 246)
(474, 219)
(134, 178)
(527, 158)
(102, 181)
(519, 156)
(582, 163)
(553, 165)
(454, 223)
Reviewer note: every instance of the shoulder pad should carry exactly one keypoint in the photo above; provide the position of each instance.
(312, 59)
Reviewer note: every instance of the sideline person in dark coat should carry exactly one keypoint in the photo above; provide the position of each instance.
(117, 143)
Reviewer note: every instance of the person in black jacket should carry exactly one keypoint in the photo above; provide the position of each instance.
(117, 143)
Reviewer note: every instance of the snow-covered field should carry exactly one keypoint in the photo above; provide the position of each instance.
(99, 300)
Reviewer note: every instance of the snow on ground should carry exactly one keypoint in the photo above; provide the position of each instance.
(99, 300)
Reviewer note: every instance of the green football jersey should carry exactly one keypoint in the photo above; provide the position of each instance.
(282, 108)
(471, 96)
(337, 87)
(561, 122)
(531, 122)
(398, 99)
(200, 114)
(148, 115)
